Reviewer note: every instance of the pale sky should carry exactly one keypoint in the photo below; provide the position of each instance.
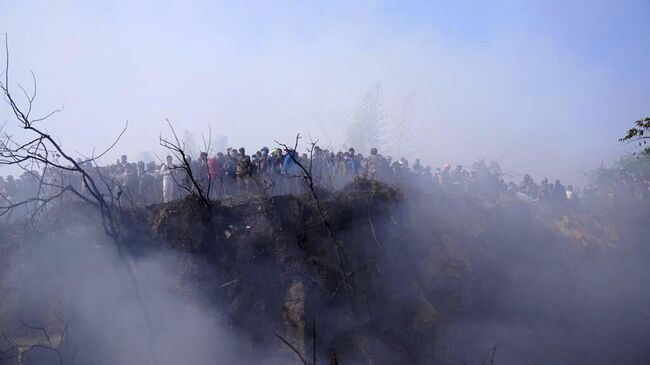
(541, 86)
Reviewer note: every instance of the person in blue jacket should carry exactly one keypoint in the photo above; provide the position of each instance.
(351, 164)
(292, 171)
(289, 165)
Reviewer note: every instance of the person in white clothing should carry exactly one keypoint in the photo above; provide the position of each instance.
(168, 180)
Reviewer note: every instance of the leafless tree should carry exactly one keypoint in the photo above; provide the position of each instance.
(36, 150)
(193, 186)
(403, 127)
(366, 131)
(345, 269)
(51, 339)
(264, 184)
(39, 151)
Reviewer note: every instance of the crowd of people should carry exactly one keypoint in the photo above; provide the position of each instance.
(235, 173)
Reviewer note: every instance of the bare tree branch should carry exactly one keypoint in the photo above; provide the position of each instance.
(43, 151)
(176, 148)
(293, 348)
(344, 265)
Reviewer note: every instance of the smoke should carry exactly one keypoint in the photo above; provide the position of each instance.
(601, 320)
(446, 277)
(80, 282)
(545, 89)
(540, 297)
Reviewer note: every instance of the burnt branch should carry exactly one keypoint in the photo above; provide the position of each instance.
(17, 351)
(344, 265)
(176, 148)
(44, 152)
(293, 348)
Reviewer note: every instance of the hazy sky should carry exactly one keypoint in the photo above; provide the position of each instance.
(545, 86)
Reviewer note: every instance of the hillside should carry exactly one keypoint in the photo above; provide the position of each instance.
(402, 276)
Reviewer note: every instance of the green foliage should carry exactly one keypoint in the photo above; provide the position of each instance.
(629, 168)
(639, 133)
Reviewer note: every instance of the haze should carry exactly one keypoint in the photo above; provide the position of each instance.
(543, 87)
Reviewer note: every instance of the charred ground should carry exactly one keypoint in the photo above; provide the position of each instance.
(428, 277)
